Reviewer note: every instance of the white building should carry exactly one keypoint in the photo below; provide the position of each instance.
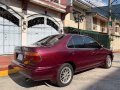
(23, 22)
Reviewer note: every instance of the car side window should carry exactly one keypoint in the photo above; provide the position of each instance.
(90, 43)
(76, 42)
(70, 43)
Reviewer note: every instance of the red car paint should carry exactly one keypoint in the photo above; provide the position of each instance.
(43, 61)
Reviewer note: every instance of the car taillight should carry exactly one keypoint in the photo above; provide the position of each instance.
(32, 54)
(32, 57)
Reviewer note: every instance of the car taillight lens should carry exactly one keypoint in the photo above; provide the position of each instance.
(32, 57)
(32, 54)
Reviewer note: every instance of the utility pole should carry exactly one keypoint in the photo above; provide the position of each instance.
(109, 17)
(78, 21)
(110, 20)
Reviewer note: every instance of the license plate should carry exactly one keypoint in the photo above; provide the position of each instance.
(20, 57)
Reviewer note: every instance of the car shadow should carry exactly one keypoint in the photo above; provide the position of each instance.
(27, 83)
(85, 70)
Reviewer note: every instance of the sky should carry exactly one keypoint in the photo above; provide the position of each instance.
(102, 2)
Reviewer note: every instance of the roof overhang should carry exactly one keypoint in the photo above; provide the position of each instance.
(99, 16)
(48, 4)
(81, 4)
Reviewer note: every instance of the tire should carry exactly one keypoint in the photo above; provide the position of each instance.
(64, 75)
(108, 62)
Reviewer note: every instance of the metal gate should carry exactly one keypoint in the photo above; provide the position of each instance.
(10, 33)
(40, 26)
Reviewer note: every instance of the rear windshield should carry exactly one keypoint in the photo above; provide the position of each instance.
(50, 40)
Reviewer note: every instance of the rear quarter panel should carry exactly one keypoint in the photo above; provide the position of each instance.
(55, 55)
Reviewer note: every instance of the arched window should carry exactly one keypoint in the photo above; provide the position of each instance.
(40, 26)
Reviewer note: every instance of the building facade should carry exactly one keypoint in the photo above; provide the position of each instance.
(94, 20)
(100, 24)
(79, 9)
(23, 22)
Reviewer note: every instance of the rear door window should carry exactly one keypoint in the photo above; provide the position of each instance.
(76, 42)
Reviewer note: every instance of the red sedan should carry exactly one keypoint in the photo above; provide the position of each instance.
(58, 57)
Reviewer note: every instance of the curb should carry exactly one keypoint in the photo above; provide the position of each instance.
(4, 73)
(7, 72)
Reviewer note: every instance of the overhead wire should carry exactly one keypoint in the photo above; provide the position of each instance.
(89, 2)
(100, 8)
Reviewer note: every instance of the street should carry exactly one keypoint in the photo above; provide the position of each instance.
(94, 79)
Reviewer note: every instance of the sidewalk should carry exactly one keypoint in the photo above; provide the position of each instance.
(5, 60)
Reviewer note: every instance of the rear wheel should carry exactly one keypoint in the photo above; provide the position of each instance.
(108, 62)
(64, 75)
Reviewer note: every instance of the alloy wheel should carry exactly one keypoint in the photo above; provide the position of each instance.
(65, 75)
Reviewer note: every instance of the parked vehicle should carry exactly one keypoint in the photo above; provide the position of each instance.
(58, 57)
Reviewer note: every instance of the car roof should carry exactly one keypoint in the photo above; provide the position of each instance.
(74, 34)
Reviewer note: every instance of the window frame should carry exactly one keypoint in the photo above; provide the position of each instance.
(83, 42)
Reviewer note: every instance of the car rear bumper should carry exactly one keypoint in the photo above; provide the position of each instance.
(35, 73)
